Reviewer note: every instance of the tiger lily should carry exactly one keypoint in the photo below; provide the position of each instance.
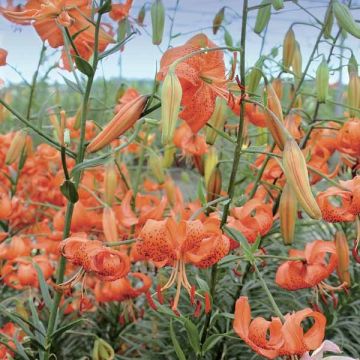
(177, 244)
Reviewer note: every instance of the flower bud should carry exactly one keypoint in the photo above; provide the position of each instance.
(217, 120)
(211, 160)
(328, 22)
(169, 153)
(213, 188)
(77, 116)
(277, 4)
(156, 167)
(141, 16)
(288, 214)
(296, 173)
(297, 62)
(170, 191)
(354, 94)
(16, 147)
(289, 46)
(274, 117)
(158, 21)
(345, 19)
(171, 95)
(277, 85)
(110, 182)
(343, 261)
(254, 76)
(322, 81)
(218, 20)
(102, 350)
(353, 65)
(262, 17)
(109, 224)
(122, 121)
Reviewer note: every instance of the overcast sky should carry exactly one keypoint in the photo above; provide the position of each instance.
(140, 57)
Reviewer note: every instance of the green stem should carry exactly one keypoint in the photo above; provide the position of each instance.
(70, 206)
(33, 84)
(268, 293)
(237, 154)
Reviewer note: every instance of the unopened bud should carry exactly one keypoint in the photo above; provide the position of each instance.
(110, 182)
(277, 4)
(322, 81)
(296, 173)
(141, 16)
(218, 20)
(16, 147)
(102, 350)
(157, 21)
(288, 214)
(353, 65)
(217, 120)
(213, 188)
(277, 85)
(345, 19)
(254, 76)
(274, 117)
(211, 160)
(156, 167)
(289, 46)
(297, 62)
(354, 94)
(122, 121)
(169, 153)
(262, 17)
(171, 95)
(343, 257)
(109, 224)
(328, 22)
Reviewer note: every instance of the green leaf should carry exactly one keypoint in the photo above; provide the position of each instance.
(193, 335)
(203, 285)
(72, 85)
(201, 193)
(43, 287)
(84, 66)
(105, 8)
(66, 327)
(239, 237)
(68, 189)
(210, 342)
(116, 47)
(180, 354)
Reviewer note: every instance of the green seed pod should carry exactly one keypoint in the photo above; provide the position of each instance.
(218, 20)
(158, 21)
(255, 75)
(352, 65)
(156, 167)
(289, 46)
(263, 17)
(322, 81)
(345, 19)
(328, 22)
(277, 4)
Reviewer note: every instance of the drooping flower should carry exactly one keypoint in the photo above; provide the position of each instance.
(311, 269)
(3, 56)
(120, 11)
(272, 338)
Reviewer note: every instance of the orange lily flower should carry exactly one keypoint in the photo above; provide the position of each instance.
(348, 138)
(190, 143)
(350, 201)
(48, 16)
(272, 338)
(202, 78)
(169, 243)
(311, 270)
(253, 219)
(107, 264)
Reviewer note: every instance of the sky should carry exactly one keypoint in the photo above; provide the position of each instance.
(140, 58)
